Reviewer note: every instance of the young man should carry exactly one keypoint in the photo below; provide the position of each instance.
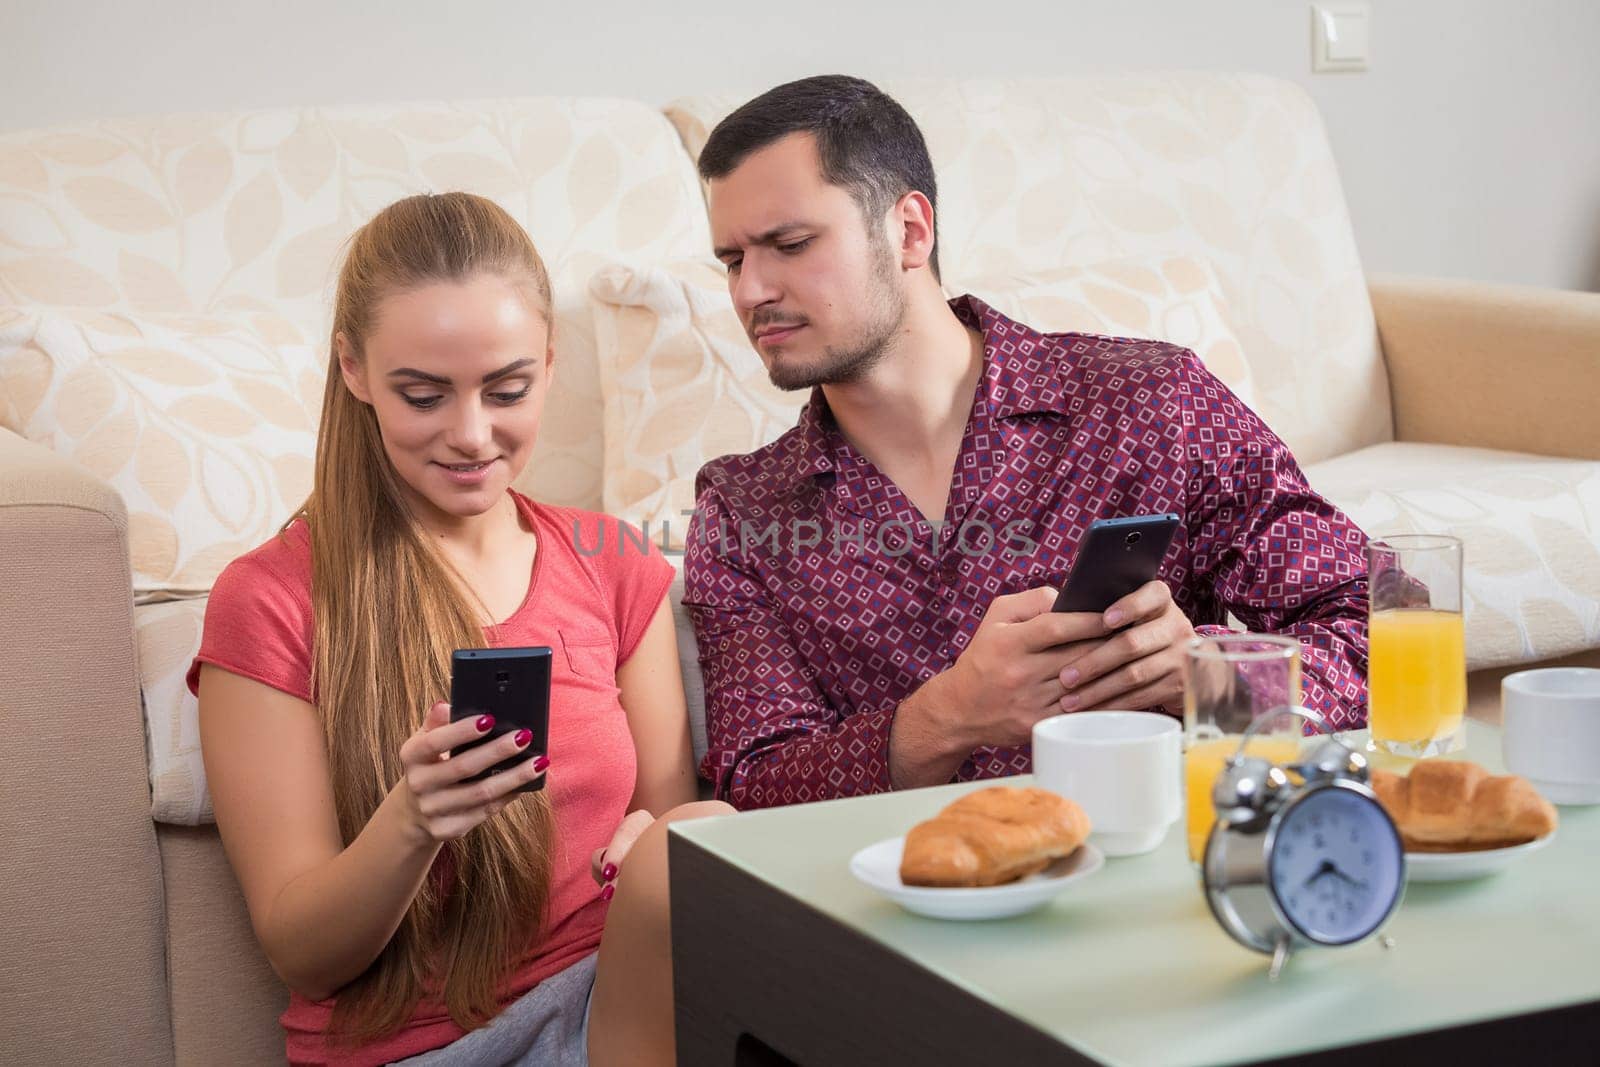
(872, 592)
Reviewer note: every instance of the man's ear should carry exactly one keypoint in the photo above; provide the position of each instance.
(913, 218)
(350, 368)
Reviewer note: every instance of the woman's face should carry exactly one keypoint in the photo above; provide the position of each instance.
(457, 373)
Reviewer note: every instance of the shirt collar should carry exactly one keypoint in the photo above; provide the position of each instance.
(1023, 374)
(819, 437)
(1024, 371)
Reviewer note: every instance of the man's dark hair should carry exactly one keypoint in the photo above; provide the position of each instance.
(867, 143)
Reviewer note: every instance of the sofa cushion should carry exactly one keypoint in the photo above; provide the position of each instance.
(694, 684)
(203, 426)
(248, 211)
(683, 385)
(226, 999)
(1235, 169)
(1531, 579)
(167, 636)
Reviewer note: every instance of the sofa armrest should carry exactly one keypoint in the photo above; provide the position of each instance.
(1491, 366)
(80, 893)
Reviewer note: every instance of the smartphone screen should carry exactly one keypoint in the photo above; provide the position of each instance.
(513, 685)
(1116, 557)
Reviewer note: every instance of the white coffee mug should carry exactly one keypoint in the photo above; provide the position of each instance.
(1550, 731)
(1122, 767)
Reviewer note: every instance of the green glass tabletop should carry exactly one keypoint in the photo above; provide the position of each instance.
(1129, 967)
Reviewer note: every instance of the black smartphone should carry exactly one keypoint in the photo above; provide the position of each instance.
(1116, 557)
(513, 685)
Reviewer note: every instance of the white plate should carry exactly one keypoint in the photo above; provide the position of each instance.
(878, 866)
(1456, 866)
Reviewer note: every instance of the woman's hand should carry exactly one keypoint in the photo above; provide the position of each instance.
(439, 805)
(607, 862)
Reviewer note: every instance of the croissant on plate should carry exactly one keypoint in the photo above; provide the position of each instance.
(1455, 806)
(992, 836)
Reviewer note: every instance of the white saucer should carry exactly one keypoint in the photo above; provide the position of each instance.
(1458, 866)
(878, 866)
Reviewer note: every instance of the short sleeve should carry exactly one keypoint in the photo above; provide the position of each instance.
(259, 626)
(636, 577)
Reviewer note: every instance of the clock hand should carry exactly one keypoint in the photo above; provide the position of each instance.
(1345, 878)
(1326, 868)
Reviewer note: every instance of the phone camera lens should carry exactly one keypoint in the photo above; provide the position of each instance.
(1133, 538)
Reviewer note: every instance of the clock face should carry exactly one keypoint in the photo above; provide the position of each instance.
(1336, 865)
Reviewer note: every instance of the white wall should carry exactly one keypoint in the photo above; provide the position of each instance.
(1471, 149)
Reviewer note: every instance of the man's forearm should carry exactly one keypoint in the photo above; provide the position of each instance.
(798, 757)
(924, 746)
(917, 742)
(1333, 672)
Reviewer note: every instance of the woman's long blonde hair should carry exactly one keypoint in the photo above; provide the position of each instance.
(388, 612)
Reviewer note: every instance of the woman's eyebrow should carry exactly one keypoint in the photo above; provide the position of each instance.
(423, 376)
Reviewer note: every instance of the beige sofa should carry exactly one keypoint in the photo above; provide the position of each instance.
(163, 300)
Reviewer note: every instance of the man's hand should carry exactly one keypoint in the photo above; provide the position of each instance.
(1009, 677)
(1138, 668)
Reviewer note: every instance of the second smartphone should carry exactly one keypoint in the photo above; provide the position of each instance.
(1116, 557)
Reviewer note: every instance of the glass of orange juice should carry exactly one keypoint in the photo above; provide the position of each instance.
(1229, 682)
(1417, 659)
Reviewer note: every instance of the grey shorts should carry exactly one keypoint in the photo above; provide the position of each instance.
(548, 1026)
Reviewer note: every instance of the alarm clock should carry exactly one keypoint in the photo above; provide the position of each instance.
(1301, 853)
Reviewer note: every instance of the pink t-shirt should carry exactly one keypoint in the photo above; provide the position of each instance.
(592, 594)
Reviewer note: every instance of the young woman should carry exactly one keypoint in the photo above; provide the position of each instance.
(414, 916)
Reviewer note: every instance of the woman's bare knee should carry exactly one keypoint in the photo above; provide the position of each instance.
(646, 866)
(698, 809)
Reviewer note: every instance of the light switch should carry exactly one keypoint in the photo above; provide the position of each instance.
(1341, 36)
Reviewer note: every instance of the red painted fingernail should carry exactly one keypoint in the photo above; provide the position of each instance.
(484, 722)
(609, 871)
(605, 894)
(522, 738)
(541, 763)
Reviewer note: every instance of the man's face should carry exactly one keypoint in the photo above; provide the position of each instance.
(819, 292)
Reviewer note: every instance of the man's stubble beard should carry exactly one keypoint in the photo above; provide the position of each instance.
(851, 363)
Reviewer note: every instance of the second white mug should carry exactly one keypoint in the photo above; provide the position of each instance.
(1122, 767)
(1551, 731)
